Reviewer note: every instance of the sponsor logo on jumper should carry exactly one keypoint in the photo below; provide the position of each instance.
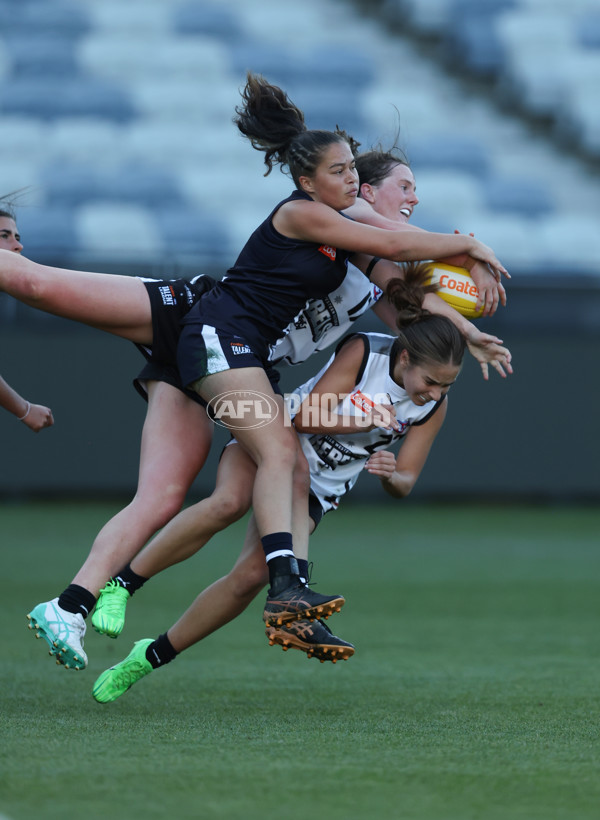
(237, 348)
(247, 409)
(328, 251)
(167, 295)
(361, 401)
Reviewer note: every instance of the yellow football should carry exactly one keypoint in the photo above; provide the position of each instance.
(456, 287)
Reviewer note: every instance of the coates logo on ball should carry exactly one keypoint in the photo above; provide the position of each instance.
(238, 409)
(456, 288)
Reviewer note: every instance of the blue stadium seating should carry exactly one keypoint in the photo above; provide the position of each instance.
(517, 195)
(450, 151)
(43, 17)
(211, 19)
(41, 55)
(72, 185)
(194, 233)
(128, 105)
(49, 98)
(50, 232)
(588, 29)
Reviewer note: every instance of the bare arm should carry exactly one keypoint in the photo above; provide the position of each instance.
(491, 290)
(398, 476)
(317, 413)
(34, 416)
(487, 349)
(315, 222)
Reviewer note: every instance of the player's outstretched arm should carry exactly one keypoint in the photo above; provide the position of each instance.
(34, 416)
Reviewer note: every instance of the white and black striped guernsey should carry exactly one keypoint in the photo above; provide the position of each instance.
(336, 461)
(323, 321)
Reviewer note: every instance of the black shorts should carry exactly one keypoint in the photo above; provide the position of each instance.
(315, 510)
(170, 301)
(205, 350)
(156, 372)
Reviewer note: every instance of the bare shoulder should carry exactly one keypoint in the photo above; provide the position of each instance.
(297, 217)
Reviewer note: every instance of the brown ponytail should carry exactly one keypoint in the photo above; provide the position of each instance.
(427, 337)
(273, 124)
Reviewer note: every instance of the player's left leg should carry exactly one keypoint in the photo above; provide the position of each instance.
(110, 302)
(181, 538)
(175, 442)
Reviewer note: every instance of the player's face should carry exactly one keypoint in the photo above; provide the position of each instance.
(335, 181)
(424, 382)
(9, 235)
(395, 197)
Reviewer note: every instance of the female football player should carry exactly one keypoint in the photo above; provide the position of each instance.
(34, 416)
(375, 390)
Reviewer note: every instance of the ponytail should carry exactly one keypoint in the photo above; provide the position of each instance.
(427, 337)
(273, 124)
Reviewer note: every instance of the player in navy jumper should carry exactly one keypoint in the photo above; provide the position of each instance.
(342, 432)
(300, 251)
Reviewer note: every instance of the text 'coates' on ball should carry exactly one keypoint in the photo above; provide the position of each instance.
(456, 288)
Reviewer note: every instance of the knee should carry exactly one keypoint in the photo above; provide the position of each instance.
(161, 507)
(283, 453)
(249, 578)
(301, 475)
(227, 507)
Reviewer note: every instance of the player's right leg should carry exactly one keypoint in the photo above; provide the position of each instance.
(214, 607)
(110, 302)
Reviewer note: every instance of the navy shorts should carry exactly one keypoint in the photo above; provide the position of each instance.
(315, 510)
(170, 301)
(156, 372)
(204, 350)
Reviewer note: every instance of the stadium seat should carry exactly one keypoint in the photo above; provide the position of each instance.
(76, 96)
(197, 234)
(138, 18)
(40, 55)
(426, 16)
(120, 231)
(186, 101)
(129, 59)
(588, 30)
(472, 44)
(50, 231)
(181, 144)
(447, 197)
(73, 185)
(516, 195)
(208, 19)
(76, 140)
(24, 138)
(41, 17)
(449, 151)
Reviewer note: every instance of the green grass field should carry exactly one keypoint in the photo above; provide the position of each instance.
(474, 691)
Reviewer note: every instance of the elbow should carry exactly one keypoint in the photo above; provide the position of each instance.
(398, 489)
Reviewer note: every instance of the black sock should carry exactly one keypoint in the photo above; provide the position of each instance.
(77, 599)
(277, 545)
(283, 572)
(303, 569)
(160, 652)
(129, 579)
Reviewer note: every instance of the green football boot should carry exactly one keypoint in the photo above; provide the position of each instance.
(115, 681)
(108, 618)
